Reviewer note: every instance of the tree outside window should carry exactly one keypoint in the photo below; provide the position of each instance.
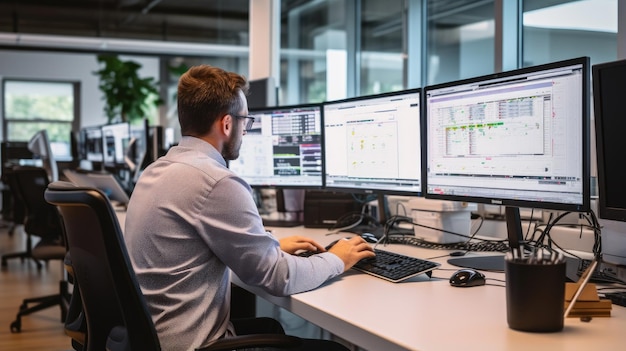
(30, 106)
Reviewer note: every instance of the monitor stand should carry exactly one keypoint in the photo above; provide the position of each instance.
(493, 263)
(496, 262)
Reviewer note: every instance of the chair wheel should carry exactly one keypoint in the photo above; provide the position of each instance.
(16, 326)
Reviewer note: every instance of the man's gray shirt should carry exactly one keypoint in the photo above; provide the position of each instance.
(190, 219)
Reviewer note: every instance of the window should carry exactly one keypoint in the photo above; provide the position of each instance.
(461, 40)
(334, 49)
(382, 46)
(569, 29)
(30, 106)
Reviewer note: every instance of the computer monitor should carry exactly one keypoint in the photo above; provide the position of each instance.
(39, 145)
(517, 139)
(373, 144)
(609, 94)
(115, 138)
(283, 149)
(90, 142)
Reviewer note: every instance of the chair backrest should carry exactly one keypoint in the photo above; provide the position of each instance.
(111, 295)
(42, 219)
(17, 204)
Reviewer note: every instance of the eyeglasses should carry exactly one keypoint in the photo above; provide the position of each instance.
(249, 121)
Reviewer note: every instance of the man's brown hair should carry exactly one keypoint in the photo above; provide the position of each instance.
(206, 93)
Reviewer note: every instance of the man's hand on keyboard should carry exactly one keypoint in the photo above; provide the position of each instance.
(352, 250)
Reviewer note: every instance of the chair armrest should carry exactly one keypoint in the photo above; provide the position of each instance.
(252, 340)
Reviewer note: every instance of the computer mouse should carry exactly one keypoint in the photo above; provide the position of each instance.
(369, 237)
(467, 277)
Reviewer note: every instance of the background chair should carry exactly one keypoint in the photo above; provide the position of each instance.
(115, 311)
(17, 217)
(42, 220)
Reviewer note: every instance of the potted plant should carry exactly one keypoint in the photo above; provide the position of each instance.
(127, 96)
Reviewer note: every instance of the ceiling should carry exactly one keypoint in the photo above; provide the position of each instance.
(223, 22)
(206, 21)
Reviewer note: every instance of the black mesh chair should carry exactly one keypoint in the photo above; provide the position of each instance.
(42, 220)
(116, 314)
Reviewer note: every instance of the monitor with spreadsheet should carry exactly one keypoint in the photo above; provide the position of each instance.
(518, 139)
(373, 144)
(283, 149)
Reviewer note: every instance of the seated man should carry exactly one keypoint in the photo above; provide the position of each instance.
(191, 220)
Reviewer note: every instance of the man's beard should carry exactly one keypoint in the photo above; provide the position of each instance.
(232, 146)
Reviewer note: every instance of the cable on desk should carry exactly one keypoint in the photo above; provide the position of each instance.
(471, 244)
(545, 240)
(351, 220)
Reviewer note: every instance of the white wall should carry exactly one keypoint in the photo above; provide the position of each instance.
(69, 67)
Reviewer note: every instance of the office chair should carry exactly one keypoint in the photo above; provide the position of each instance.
(116, 314)
(42, 220)
(18, 217)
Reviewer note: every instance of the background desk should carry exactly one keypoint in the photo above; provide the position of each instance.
(429, 314)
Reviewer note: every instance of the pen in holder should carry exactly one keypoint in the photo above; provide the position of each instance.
(535, 290)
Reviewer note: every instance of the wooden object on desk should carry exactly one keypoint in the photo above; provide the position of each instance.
(588, 304)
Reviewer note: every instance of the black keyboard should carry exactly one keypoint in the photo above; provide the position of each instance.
(598, 275)
(617, 298)
(394, 267)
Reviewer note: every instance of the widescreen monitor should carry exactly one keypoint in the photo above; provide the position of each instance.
(609, 94)
(373, 144)
(283, 149)
(115, 138)
(518, 139)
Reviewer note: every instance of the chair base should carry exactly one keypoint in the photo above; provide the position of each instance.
(22, 256)
(42, 302)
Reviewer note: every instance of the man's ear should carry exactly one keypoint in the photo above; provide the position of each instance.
(226, 123)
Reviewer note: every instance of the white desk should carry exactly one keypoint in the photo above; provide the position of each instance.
(429, 314)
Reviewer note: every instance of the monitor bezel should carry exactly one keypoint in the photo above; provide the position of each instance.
(381, 191)
(266, 109)
(605, 211)
(584, 206)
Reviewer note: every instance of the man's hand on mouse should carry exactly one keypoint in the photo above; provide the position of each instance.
(352, 251)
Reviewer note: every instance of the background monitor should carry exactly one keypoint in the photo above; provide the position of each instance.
(609, 94)
(262, 93)
(518, 138)
(39, 145)
(90, 142)
(283, 149)
(115, 138)
(373, 144)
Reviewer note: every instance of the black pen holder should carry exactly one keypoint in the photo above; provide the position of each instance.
(535, 295)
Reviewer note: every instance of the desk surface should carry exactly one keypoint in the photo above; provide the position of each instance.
(429, 314)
